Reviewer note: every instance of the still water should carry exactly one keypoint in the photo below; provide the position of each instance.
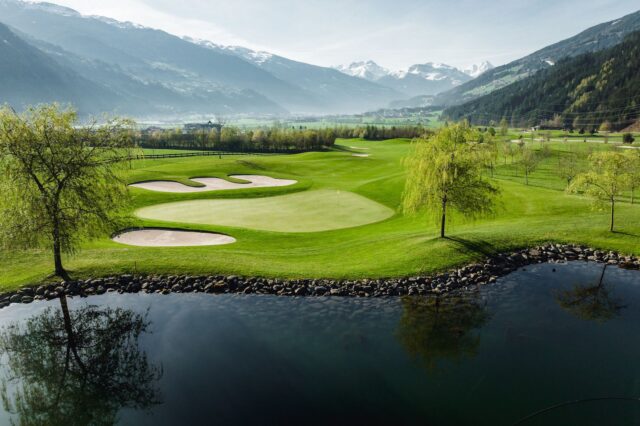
(563, 336)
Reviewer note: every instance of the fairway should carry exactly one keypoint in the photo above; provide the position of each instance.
(353, 200)
(309, 211)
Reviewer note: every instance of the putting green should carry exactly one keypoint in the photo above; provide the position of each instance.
(309, 211)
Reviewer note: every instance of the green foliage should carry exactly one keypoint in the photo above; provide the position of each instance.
(530, 160)
(628, 138)
(633, 169)
(397, 247)
(272, 139)
(607, 179)
(569, 167)
(446, 171)
(60, 184)
(591, 91)
(504, 127)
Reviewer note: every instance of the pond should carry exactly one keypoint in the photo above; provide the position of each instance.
(552, 344)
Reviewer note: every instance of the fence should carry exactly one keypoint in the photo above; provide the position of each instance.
(189, 154)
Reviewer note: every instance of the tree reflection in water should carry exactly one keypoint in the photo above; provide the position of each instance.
(591, 302)
(76, 367)
(439, 327)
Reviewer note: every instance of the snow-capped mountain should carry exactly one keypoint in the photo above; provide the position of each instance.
(367, 70)
(326, 85)
(149, 70)
(420, 79)
(433, 72)
(476, 70)
(255, 57)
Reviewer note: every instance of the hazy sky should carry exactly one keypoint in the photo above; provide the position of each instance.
(394, 33)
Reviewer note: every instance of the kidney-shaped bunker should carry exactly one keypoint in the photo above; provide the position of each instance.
(171, 238)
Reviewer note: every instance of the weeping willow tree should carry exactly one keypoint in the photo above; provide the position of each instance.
(445, 172)
(59, 183)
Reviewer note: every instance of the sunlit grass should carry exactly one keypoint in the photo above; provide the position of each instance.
(398, 246)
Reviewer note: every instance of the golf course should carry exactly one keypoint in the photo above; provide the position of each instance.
(335, 216)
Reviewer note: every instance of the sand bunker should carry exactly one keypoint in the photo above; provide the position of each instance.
(171, 238)
(214, 184)
(359, 148)
(360, 155)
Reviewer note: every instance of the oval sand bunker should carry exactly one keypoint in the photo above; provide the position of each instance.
(171, 238)
(214, 184)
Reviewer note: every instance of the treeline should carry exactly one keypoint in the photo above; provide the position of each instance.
(380, 133)
(275, 139)
(581, 93)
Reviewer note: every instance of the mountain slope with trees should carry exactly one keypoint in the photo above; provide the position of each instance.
(36, 72)
(223, 80)
(591, 91)
(594, 39)
(30, 76)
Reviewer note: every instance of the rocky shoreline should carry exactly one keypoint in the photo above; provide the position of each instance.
(475, 274)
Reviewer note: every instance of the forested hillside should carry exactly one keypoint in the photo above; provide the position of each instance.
(584, 92)
(594, 39)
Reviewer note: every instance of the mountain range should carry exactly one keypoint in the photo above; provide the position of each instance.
(418, 80)
(143, 70)
(53, 53)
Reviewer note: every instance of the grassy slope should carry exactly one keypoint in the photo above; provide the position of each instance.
(394, 247)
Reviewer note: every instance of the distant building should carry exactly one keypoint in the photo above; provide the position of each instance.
(153, 129)
(197, 127)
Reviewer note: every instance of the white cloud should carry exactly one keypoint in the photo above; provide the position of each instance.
(395, 33)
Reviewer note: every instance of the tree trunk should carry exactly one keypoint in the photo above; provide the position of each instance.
(526, 176)
(613, 210)
(602, 275)
(57, 254)
(444, 217)
(71, 338)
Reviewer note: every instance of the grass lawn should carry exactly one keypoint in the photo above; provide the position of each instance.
(380, 247)
(308, 211)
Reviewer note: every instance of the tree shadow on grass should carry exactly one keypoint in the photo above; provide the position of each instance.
(251, 164)
(343, 148)
(628, 234)
(473, 246)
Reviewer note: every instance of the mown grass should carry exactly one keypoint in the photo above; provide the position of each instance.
(398, 246)
(308, 211)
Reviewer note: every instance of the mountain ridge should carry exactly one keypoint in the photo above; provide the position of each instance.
(580, 92)
(156, 57)
(592, 39)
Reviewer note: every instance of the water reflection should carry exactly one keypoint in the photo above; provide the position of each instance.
(592, 302)
(76, 367)
(437, 328)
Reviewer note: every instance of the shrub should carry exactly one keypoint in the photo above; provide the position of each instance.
(628, 138)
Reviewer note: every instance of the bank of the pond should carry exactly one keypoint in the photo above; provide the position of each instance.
(482, 273)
